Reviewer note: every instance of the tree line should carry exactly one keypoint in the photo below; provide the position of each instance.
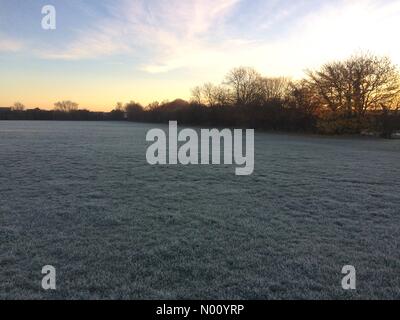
(358, 95)
(63, 111)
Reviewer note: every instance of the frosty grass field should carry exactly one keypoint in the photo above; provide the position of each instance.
(80, 196)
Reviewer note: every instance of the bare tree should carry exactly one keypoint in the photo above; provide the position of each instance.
(197, 96)
(246, 84)
(212, 95)
(66, 106)
(153, 106)
(18, 107)
(275, 88)
(354, 86)
(209, 92)
(223, 95)
(304, 97)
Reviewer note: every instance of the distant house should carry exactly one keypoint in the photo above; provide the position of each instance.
(5, 109)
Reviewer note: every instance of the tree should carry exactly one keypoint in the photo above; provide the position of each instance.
(65, 106)
(197, 95)
(209, 94)
(118, 113)
(223, 95)
(216, 95)
(119, 107)
(246, 84)
(212, 95)
(275, 88)
(303, 97)
(354, 86)
(18, 107)
(153, 106)
(134, 111)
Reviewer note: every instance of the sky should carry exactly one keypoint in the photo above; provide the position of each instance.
(108, 51)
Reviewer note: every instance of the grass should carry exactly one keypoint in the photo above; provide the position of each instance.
(80, 196)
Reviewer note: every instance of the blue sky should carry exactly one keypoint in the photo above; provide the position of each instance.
(107, 51)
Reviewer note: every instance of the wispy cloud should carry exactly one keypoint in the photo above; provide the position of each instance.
(99, 41)
(170, 35)
(161, 28)
(334, 31)
(10, 45)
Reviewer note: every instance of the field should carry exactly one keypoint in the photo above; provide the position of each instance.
(81, 197)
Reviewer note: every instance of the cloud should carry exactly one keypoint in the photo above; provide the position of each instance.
(181, 32)
(332, 31)
(170, 35)
(160, 28)
(100, 41)
(10, 45)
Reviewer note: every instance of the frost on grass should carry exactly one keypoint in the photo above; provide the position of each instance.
(81, 197)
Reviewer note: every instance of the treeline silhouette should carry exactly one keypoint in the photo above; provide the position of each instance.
(63, 111)
(357, 95)
(38, 114)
